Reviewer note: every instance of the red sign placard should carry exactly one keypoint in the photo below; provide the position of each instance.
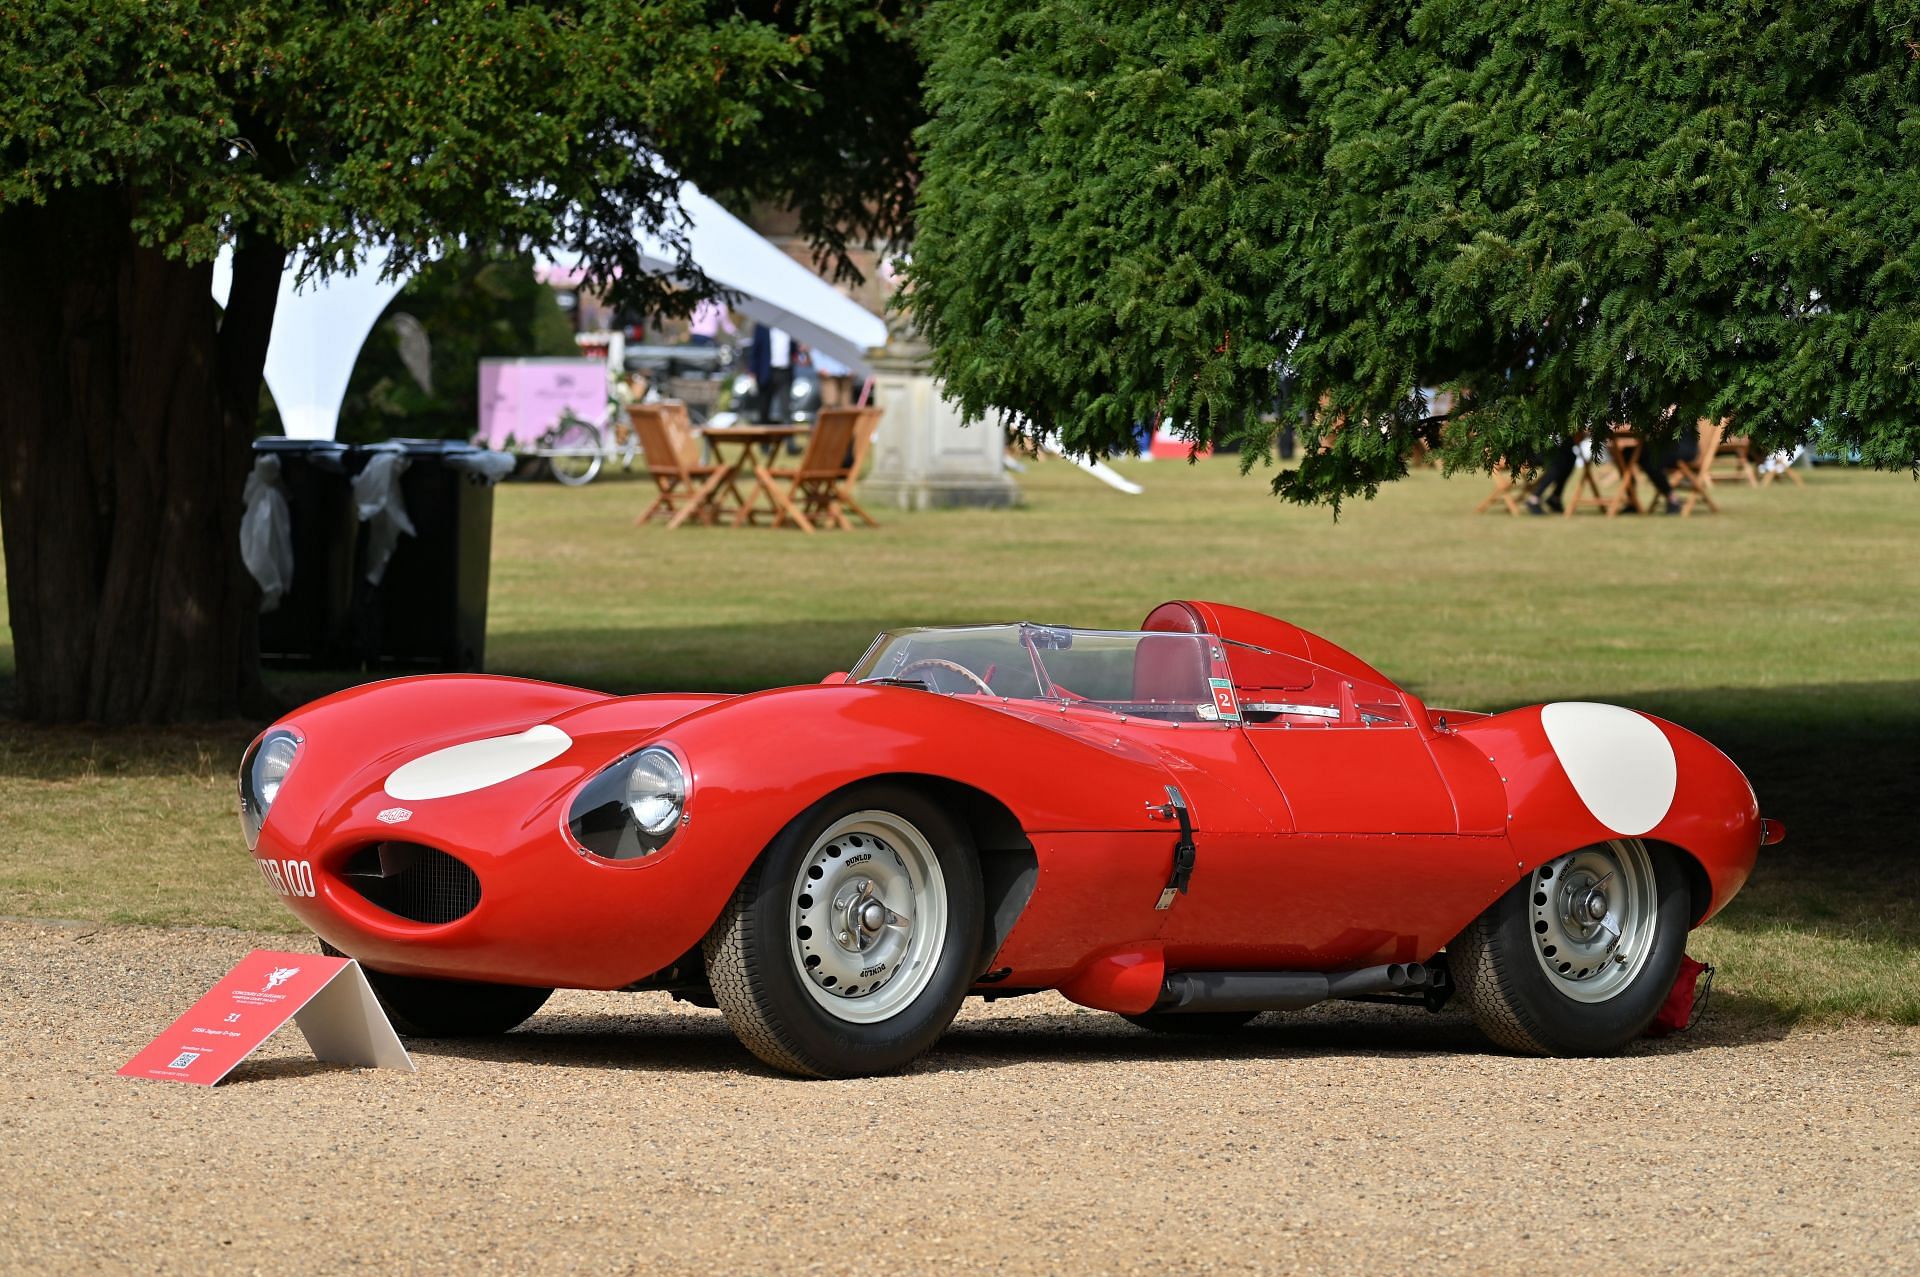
(329, 996)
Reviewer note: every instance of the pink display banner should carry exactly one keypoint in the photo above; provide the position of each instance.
(522, 399)
(329, 997)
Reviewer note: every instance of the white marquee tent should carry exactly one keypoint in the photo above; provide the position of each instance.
(318, 329)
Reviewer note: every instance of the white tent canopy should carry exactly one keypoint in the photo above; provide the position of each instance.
(318, 329)
(774, 289)
(317, 334)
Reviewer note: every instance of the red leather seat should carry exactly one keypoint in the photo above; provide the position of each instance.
(1171, 670)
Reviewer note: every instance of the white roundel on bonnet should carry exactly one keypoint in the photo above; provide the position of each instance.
(1620, 762)
(461, 769)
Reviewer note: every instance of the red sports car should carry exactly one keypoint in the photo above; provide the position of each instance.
(1216, 815)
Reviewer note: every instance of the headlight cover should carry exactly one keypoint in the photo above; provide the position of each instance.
(632, 808)
(263, 770)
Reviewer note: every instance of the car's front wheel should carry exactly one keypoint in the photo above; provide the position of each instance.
(424, 1008)
(850, 944)
(1577, 958)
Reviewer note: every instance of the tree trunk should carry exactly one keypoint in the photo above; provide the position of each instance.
(127, 405)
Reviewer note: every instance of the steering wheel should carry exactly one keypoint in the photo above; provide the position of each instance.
(937, 663)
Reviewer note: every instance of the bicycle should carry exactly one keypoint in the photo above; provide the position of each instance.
(576, 449)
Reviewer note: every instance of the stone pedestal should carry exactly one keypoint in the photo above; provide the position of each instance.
(923, 457)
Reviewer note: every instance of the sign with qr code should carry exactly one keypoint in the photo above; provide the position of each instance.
(328, 998)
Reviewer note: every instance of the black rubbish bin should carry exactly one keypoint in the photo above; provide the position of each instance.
(429, 607)
(309, 626)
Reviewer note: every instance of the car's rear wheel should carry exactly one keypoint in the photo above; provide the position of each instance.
(850, 944)
(423, 1008)
(1577, 958)
(1192, 1023)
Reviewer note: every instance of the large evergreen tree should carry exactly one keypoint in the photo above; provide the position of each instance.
(1569, 213)
(139, 136)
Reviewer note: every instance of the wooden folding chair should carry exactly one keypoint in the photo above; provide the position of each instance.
(813, 486)
(1737, 449)
(1787, 471)
(1628, 452)
(673, 462)
(1586, 486)
(866, 425)
(686, 440)
(1507, 491)
(1698, 473)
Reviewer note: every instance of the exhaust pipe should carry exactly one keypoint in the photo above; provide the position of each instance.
(1290, 990)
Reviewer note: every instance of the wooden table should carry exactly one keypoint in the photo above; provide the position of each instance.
(1624, 450)
(757, 446)
(1629, 452)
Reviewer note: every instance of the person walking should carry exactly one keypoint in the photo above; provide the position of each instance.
(710, 319)
(1685, 448)
(776, 387)
(1547, 494)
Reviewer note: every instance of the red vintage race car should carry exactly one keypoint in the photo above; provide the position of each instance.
(1214, 816)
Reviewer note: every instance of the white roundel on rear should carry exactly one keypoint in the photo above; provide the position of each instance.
(1620, 762)
(461, 769)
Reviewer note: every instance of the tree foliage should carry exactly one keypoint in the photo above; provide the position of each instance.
(1570, 214)
(406, 128)
(138, 138)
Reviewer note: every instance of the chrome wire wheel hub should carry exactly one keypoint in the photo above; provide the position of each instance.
(1592, 914)
(869, 917)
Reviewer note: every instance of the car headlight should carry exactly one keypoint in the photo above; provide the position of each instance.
(263, 770)
(801, 388)
(632, 808)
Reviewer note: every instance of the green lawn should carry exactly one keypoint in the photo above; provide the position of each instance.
(1786, 629)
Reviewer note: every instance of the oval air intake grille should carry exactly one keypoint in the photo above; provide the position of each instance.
(421, 884)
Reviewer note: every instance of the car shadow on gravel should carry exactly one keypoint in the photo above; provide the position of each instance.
(689, 1041)
(697, 1041)
(1340, 1032)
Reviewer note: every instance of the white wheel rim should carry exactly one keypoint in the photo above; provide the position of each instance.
(867, 917)
(577, 458)
(1592, 915)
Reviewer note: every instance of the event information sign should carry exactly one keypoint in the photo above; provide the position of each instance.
(329, 999)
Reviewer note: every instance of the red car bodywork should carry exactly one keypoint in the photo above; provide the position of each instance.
(1321, 846)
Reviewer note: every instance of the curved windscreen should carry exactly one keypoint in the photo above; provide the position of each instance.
(1178, 677)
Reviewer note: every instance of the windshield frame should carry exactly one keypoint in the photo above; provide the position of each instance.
(1213, 703)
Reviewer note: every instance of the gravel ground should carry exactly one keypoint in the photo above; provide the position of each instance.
(630, 1133)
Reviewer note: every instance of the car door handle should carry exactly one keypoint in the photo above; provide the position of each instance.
(1184, 852)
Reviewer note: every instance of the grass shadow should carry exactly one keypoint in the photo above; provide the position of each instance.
(698, 658)
(1839, 763)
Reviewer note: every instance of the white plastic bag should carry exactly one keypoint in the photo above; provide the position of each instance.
(376, 494)
(266, 533)
(491, 466)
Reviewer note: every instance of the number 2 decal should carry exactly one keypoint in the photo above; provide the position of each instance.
(1223, 697)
